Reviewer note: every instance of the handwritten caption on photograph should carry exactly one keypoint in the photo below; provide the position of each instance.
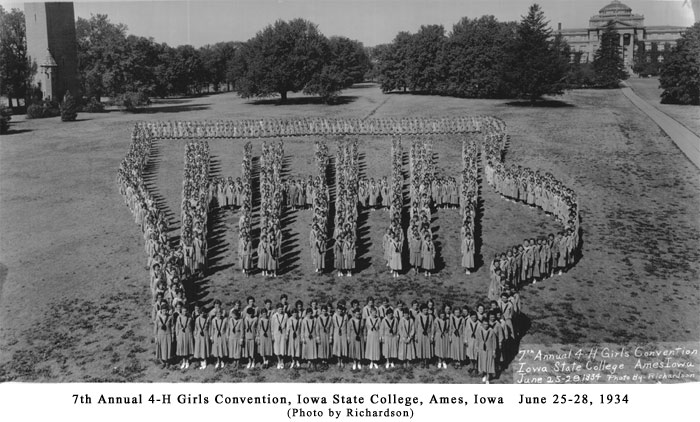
(606, 363)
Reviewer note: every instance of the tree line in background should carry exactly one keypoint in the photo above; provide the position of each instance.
(479, 58)
(285, 57)
(112, 63)
(485, 58)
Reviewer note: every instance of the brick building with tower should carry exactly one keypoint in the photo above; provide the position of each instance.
(52, 45)
(629, 26)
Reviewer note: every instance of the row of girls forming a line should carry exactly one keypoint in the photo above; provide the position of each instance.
(482, 339)
(345, 231)
(245, 243)
(271, 200)
(393, 238)
(258, 128)
(138, 199)
(195, 208)
(420, 236)
(318, 237)
(539, 258)
(168, 271)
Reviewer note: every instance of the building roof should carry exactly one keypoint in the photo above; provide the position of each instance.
(48, 60)
(666, 28)
(615, 9)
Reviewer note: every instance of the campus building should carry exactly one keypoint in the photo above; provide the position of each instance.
(52, 46)
(629, 26)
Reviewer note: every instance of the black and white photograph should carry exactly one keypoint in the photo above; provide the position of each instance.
(432, 192)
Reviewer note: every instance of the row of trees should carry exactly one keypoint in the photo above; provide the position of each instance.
(485, 58)
(111, 63)
(285, 57)
(480, 57)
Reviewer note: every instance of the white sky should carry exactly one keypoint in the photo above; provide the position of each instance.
(373, 22)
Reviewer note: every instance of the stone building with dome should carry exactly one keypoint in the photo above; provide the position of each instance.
(629, 26)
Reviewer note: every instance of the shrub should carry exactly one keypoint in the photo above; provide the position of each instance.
(5, 117)
(69, 108)
(93, 106)
(35, 111)
(132, 101)
(43, 109)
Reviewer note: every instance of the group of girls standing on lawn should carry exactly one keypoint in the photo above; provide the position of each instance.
(374, 193)
(482, 339)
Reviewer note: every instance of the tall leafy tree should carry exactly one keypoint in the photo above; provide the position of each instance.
(680, 71)
(16, 69)
(281, 58)
(215, 59)
(426, 59)
(476, 56)
(102, 55)
(186, 70)
(347, 63)
(537, 67)
(608, 64)
(350, 57)
(393, 63)
(140, 60)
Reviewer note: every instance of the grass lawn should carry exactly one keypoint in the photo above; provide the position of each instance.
(74, 295)
(648, 89)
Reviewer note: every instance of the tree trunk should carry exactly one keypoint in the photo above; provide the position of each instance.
(284, 96)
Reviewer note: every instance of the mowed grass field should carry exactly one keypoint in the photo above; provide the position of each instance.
(75, 301)
(649, 90)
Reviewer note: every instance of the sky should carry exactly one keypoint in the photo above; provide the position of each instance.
(200, 22)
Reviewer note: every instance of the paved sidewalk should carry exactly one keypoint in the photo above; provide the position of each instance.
(687, 141)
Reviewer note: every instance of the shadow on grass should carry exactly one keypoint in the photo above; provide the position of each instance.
(170, 101)
(363, 85)
(172, 109)
(16, 132)
(341, 100)
(540, 104)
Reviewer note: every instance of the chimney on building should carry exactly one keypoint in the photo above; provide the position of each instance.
(559, 26)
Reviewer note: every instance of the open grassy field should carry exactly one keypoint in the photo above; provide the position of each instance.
(648, 89)
(74, 297)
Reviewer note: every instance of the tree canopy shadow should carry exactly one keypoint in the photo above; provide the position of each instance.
(340, 100)
(171, 100)
(363, 85)
(540, 104)
(172, 109)
(16, 131)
